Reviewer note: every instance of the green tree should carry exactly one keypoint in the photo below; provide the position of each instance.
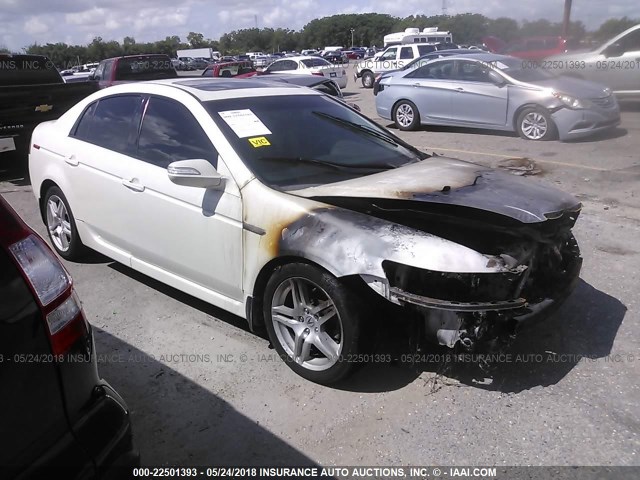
(613, 27)
(504, 28)
(196, 40)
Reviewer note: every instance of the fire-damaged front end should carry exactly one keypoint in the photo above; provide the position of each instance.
(473, 263)
(472, 307)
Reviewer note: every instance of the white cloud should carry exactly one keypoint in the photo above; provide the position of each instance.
(35, 26)
(75, 21)
(94, 16)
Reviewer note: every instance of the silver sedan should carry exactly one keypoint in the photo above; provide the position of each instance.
(496, 92)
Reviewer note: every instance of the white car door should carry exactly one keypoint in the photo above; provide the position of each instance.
(188, 237)
(97, 161)
(405, 55)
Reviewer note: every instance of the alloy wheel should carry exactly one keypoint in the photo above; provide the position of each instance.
(307, 324)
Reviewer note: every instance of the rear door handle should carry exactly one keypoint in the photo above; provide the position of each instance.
(71, 160)
(133, 185)
(460, 89)
(416, 84)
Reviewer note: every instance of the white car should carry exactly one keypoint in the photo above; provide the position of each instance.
(310, 65)
(286, 207)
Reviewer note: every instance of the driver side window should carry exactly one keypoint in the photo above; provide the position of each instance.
(631, 42)
(170, 133)
(473, 72)
(389, 55)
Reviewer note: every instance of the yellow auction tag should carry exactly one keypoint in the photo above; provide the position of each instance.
(259, 142)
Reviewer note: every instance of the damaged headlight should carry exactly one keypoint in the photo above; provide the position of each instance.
(453, 286)
(569, 101)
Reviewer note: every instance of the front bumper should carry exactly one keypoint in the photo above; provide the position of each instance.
(475, 323)
(573, 124)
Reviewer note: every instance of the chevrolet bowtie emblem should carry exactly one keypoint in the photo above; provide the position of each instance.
(44, 108)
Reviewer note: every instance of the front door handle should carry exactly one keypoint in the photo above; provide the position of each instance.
(71, 160)
(460, 89)
(416, 84)
(133, 185)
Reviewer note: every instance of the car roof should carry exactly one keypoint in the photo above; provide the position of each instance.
(302, 80)
(483, 57)
(302, 57)
(208, 88)
(141, 55)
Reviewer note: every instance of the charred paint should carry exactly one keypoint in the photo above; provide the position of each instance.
(454, 182)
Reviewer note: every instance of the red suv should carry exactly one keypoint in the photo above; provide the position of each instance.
(528, 48)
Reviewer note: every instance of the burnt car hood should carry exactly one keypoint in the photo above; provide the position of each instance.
(447, 181)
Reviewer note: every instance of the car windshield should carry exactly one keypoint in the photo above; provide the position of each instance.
(517, 69)
(295, 141)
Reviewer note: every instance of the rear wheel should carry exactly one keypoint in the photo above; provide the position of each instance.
(405, 115)
(535, 124)
(61, 226)
(367, 79)
(313, 322)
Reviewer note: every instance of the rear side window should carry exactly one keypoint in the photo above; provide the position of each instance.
(170, 133)
(406, 53)
(282, 66)
(314, 62)
(424, 49)
(111, 123)
(145, 68)
(434, 70)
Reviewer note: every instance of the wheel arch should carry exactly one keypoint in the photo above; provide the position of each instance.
(518, 111)
(254, 301)
(44, 187)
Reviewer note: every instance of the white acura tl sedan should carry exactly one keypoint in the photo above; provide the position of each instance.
(288, 208)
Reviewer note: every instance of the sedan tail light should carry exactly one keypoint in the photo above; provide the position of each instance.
(318, 73)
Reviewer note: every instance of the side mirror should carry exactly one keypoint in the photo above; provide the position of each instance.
(195, 173)
(613, 50)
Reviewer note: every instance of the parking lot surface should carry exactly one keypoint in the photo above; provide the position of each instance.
(205, 391)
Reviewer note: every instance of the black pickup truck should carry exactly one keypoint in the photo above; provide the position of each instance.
(32, 91)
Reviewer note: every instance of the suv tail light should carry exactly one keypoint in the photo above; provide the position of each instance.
(52, 285)
(43, 270)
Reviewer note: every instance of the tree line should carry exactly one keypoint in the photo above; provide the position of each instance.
(368, 30)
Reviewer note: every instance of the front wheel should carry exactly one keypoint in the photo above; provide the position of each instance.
(312, 322)
(406, 116)
(367, 79)
(61, 226)
(535, 124)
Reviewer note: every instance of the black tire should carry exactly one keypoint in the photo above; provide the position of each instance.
(342, 328)
(55, 227)
(406, 115)
(535, 123)
(367, 79)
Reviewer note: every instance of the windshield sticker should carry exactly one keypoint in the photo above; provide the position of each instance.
(244, 123)
(259, 142)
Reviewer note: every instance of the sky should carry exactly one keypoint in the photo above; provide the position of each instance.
(24, 22)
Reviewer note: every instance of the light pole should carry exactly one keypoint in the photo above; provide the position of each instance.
(352, 30)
